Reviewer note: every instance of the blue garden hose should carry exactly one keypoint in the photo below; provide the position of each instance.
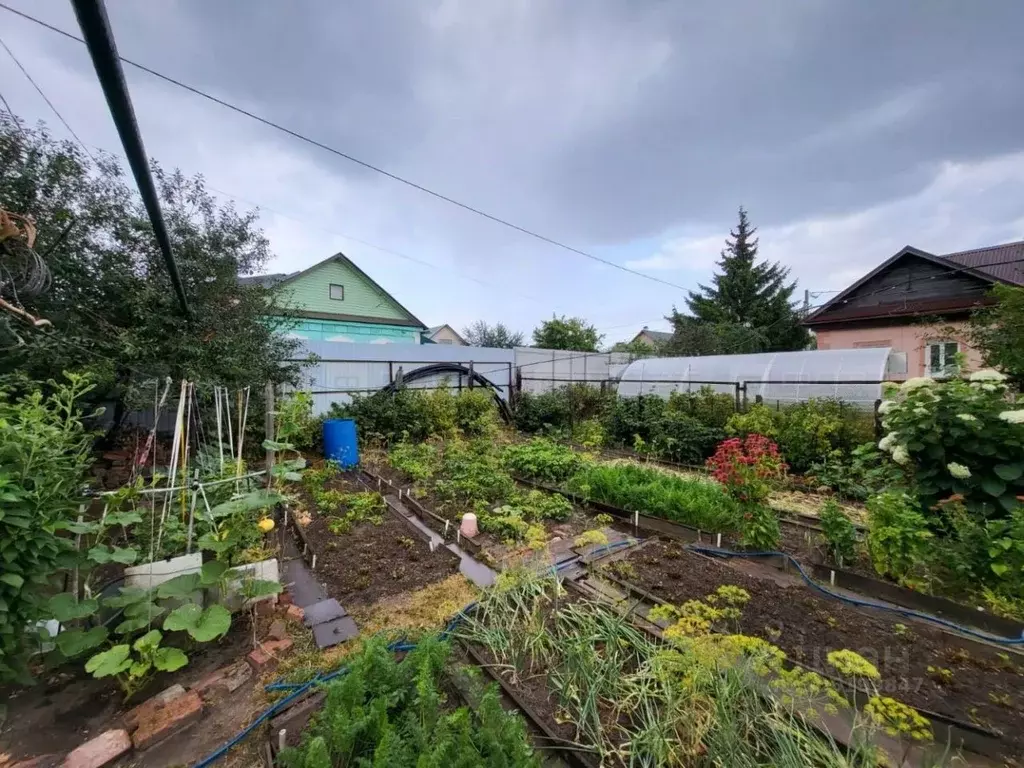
(713, 552)
(297, 689)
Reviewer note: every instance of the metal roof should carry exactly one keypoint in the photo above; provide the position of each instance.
(993, 261)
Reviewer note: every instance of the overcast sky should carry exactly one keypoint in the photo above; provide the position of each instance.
(632, 130)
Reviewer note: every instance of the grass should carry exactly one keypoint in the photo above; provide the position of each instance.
(699, 503)
(411, 614)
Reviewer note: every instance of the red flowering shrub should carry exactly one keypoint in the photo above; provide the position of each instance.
(750, 468)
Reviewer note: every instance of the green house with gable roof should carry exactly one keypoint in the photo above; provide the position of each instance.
(334, 300)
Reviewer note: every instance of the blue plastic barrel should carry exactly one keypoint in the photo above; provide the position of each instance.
(340, 443)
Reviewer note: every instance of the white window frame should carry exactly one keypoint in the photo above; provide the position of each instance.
(330, 292)
(948, 366)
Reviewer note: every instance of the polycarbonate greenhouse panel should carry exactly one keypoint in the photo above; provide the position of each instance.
(852, 375)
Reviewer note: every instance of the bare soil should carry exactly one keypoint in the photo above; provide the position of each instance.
(919, 665)
(372, 561)
(67, 707)
(581, 519)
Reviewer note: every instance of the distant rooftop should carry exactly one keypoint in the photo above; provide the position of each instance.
(658, 335)
(1000, 262)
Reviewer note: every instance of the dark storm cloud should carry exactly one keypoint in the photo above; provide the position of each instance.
(848, 128)
(616, 120)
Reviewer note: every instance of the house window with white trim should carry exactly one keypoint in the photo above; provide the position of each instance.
(941, 358)
(337, 292)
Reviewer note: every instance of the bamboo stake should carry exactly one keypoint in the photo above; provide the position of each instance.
(192, 515)
(243, 420)
(173, 468)
(220, 428)
(185, 445)
(227, 417)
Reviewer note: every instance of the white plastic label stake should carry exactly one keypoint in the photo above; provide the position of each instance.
(636, 518)
(313, 566)
(832, 578)
(281, 739)
(718, 541)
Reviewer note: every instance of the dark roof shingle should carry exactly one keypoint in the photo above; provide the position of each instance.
(1000, 262)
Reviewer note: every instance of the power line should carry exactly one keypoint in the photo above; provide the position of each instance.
(944, 275)
(99, 41)
(727, 350)
(357, 161)
(10, 112)
(398, 254)
(47, 100)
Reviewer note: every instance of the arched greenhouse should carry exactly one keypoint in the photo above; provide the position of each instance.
(852, 375)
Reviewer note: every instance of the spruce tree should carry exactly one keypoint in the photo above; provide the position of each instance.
(749, 296)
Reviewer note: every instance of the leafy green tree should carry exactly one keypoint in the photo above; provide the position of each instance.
(692, 337)
(998, 332)
(638, 348)
(111, 304)
(572, 333)
(748, 301)
(480, 334)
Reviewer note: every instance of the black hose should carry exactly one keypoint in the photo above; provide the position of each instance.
(440, 368)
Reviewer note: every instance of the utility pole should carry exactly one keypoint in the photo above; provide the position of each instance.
(807, 302)
(92, 20)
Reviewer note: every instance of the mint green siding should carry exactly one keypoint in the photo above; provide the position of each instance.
(311, 292)
(359, 333)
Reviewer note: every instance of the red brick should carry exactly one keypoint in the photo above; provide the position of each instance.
(100, 751)
(278, 630)
(133, 717)
(265, 607)
(294, 613)
(39, 761)
(267, 655)
(224, 681)
(168, 720)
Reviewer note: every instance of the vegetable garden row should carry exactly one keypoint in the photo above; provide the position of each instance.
(923, 680)
(629, 624)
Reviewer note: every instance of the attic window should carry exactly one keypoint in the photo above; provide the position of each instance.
(337, 292)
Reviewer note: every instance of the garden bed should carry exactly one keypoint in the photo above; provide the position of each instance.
(919, 665)
(795, 501)
(68, 706)
(490, 545)
(372, 560)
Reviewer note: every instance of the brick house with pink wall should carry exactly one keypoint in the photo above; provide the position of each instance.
(918, 303)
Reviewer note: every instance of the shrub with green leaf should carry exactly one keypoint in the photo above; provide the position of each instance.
(44, 454)
(416, 414)
(807, 432)
(472, 473)
(185, 603)
(898, 538)
(543, 460)
(669, 429)
(959, 437)
(865, 472)
(511, 521)
(711, 408)
(383, 712)
(420, 461)
(840, 534)
(561, 411)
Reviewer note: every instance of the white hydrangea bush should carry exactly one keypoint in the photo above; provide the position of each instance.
(958, 437)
